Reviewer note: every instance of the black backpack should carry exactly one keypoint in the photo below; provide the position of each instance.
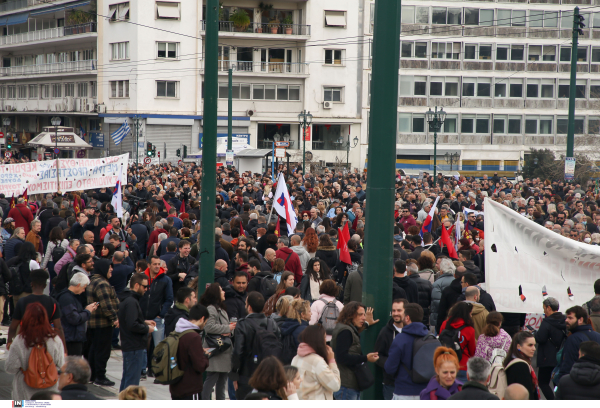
(268, 285)
(422, 359)
(58, 253)
(265, 343)
(15, 285)
(450, 337)
(289, 350)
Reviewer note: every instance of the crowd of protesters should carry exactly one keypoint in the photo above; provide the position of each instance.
(78, 282)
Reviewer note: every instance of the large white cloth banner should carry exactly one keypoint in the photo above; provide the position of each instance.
(75, 175)
(521, 253)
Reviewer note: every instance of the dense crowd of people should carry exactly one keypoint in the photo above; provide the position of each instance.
(284, 317)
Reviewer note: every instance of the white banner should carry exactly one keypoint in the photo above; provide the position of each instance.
(521, 253)
(75, 174)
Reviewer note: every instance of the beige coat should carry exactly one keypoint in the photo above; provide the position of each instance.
(479, 315)
(320, 380)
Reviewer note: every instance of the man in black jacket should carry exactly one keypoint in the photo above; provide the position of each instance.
(465, 258)
(450, 296)
(478, 375)
(235, 296)
(185, 298)
(424, 287)
(141, 233)
(384, 341)
(73, 379)
(470, 279)
(402, 283)
(583, 382)
(134, 330)
(221, 273)
(179, 265)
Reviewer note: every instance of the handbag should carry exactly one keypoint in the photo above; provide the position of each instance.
(364, 376)
(219, 342)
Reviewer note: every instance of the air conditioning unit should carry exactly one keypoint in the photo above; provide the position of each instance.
(69, 102)
(91, 106)
(327, 105)
(7, 108)
(77, 104)
(322, 163)
(249, 112)
(58, 107)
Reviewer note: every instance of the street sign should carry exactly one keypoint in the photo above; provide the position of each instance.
(280, 152)
(180, 162)
(569, 168)
(80, 154)
(56, 151)
(282, 144)
(7, 155)
(147, 160)
(229, 157)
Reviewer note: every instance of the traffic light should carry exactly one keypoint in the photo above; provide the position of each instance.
(579, 22)
(178, 153)
(8, 142)
(153, 152)
(149, 149)
(184, 151)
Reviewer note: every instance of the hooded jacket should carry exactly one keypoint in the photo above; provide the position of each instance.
(479, 314)
(467, 343)
(303, 255)
(441, 283)
(320, 378)
(132, 329)
(382, 346)
(100, 290)
(582, 383)
(578, 335)
(22, 216)
(173, 315)
(291, 327)
(12, 247)
(401, 354)
(73, 316)
(550, 336)
(327, 254)
(235, 302)
(220, 253)
(472, 268)
(293, 263)
(449, 297)
(159, 296)
(191, 360)
(424, 288)
(409, 286)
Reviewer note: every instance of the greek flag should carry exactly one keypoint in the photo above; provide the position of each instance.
(120, 134)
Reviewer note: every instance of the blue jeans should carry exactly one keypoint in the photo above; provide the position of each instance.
(406, 397)
(133, 362)
(230, 390)
(346, 394)
(388, 392)
(159, 335)
(462, 376)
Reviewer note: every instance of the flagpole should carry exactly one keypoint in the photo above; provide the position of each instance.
(57, 175)
(273, 201)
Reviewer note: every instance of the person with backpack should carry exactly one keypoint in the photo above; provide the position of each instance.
(217, 325)
(316, 273)
(185, 298)
(457, 333)
(316, 365)
(494, 342)
(550, 338)
(20, 267)
(583, 382)
(588, 305)
(444, 384)
(345, 342)
(191, 357)
(37, 345)
(56, 248)
(291, 325)
(256, 337)
(411, 366)
(384, 342)
(478, 375)
(287, 281)
(326, 309)
(291, 259)
(262, 281)
(517, 364)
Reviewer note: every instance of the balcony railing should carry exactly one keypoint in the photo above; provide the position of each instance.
(267, 67)
(47, 34)
(19, 4)
(52, 68)
(263, 28)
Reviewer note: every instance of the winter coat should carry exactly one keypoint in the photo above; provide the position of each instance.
(292, 327)
(410, 288)
(132, 328)
(220, 253)
(327, 254)
(73, 317)
(549, 338)
(467, 343)
(159, 296)
(235, 303)
(173, 315)
(449, 297)
(317, 308)
(178, 265)
(49, 249)
(141, 233)
(424, 287)
(18, 360)
(345, 343)
(12, 247)
(521, 373)
(473, 391)
(320, 378)
(486, 345)
(66, 259)
(191, 360)
(77, 392)
(293, 263)
(22, 216)
(382, 346)
(441, 283)
(484, 298)
(221, 279)
(401, 354)
(4, 277)
(440, 393)
(100, 290)
(153, 239)
(470, 267)
(582, 383)
(218, 323)
(571, 349)
(353, 288)
(479, 314)
(302, 254)
(121, 274)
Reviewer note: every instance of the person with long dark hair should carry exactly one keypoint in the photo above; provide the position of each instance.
(517, 363)
(35, 331)
(493, 337)
(316, 273)
(316, 365)
(26, 259)
(217, 323)
(107, 252)
(459, 318)
(327, 252)
(55, 239)
(269, 378)
(287, 281)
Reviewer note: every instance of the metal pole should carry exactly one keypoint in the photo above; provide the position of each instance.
(379, 257)
(572, 85)
(303, 144)
(435, 125)
(273, 163)
(137, 139)
(229, 111)
(57, 161)
(206, 265)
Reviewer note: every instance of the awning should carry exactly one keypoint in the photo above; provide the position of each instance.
(335, 18)
(2, 21)
(61, 7)
(15, 19)
(66, 141)
(256, 153)
(167, 10)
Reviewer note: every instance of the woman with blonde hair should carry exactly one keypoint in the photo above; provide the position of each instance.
(444, 384)
(133, 392)
(294, 323)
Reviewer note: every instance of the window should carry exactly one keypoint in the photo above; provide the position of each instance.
(515, 88)
(443, 15)
(413, 85)
(2, 92)
(538, 125)
(500, 90)
(70, 89)
(332, 94)
(412, 15)
(413, 49)
(581, 54)
(411, 123)
(511, 18)
(119, 89)
(22, 91)
(167, 10)
(540, 88)
(333, 57)
(544, 53)
(540, 18)
(33, 91)
(596, 53)
(119, 51)
(512, 52)
(118, 12)
(563, 88)
(56, 90)
(45, 91)
(445, 50)
(372, 26)
(82, 89)
(475, 124)
(408, 14)
(514, 124)
(11, 92)
(167, 50)
(566, 20)
(94, 86)
(562, 125)
(479, 17)
(335, 18)
(476, 87)
(440, 86)
(594, 124)
(450, 124)
(166, 89)
(595, 89)
(478, 51)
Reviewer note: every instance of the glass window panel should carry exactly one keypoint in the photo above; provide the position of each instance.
(438, 15)
(471, 16)
(549, 53)
(435, 88)
(270, 92)
(536, 18)
(235, 91)
(514, 125)
(546, 125)
(566, 20)
(451, 88)
(594, 126)
(547, 91)
(470, 51)
(408, 14)
(454, 15)
(483, 89)
(245, 91)
(466, 125)
(328, 56)
(450, 124)
(532, 90)
(499, 125)
(516, 90)
(258, 92)
(503, 17)
(502, 53)
(581, 54)
(535, 52)
(422, 16)
(161, 88)
(482, 125)
(294, 93)
(405, 50)
(518, 18)
(418, 124)
(406, 85)
(404, 120)
(563, 91)
(580, 91)
(485, 52)
(594, 92)
(565, 54)
(562, 126)
(486, 17)
(500, 90)
(420, 87)
(421, 50)
(516, 52)
(578, 126)
(282, 92)
(551, 19)
(531, 126)
(596, 53)
(162, 50)
(468, 89)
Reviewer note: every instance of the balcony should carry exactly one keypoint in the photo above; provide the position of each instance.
(262, 30)
(49, 69)
(47, 34)
(20, 4)
(243, 67)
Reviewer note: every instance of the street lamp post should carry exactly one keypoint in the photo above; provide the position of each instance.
(6, 123)
(305, 119)
(348, 146)
(55, 122)
(436, 120)
(451, 157)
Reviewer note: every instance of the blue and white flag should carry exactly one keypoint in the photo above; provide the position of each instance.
(120, 134)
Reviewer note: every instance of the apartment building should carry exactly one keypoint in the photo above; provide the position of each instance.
(48, 67)
(501, 71)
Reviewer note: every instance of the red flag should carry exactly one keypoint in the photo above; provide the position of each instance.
(346, 232)
(242, 233)
(167, 206)
(342, 245)
(481, 234)
(182, 208)
(448, 242)
(76, 204)
(277, 228)
(12, 201)
(25, 195)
